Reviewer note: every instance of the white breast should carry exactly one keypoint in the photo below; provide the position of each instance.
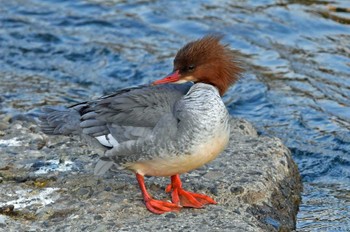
(169, 165)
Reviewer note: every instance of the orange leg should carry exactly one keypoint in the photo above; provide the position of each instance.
(155, 206)
(185, 198)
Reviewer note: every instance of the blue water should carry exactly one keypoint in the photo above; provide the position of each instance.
(296, 85)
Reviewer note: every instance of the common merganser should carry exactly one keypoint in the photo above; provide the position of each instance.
(163, 129)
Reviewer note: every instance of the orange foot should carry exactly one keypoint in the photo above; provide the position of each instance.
(186, 198)
(160, 207)
(155, 206)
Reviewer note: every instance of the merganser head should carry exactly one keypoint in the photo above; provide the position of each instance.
(205, 60)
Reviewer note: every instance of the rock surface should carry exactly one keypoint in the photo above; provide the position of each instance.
(47, 183)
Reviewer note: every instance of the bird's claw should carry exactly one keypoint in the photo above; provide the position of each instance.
(160, 207)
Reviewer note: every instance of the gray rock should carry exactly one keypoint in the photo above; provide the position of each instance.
(2, 221)
(255, 182)
(4, 124)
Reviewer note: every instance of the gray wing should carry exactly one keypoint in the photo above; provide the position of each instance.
(161, 141)
(139, 107)
(131, 113)
(127, 114)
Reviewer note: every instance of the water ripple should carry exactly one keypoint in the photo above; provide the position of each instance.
(296, 86)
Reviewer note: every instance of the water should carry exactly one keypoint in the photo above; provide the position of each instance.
(296, 87)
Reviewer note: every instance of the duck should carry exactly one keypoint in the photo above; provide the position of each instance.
(170, 127)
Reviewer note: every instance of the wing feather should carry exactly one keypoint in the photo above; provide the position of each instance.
(131, 113)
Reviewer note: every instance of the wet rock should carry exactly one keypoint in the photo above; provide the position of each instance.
(3, 125)
(237, 190)
(22, 117)
(170, 215)
(37, 142)
(255, 182)
(2, 221)
(98, 217)
(7, 209)
(84, 192)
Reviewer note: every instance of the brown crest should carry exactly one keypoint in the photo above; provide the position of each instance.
(207, 60)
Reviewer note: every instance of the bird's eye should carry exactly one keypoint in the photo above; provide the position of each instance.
(191, 67)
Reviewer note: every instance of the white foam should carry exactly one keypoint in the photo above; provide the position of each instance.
(30, 197)
(55, 165)
(10, 142)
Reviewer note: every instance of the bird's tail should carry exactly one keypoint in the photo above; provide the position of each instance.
(61, 120)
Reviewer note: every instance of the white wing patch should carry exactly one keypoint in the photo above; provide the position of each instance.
(107, 140)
